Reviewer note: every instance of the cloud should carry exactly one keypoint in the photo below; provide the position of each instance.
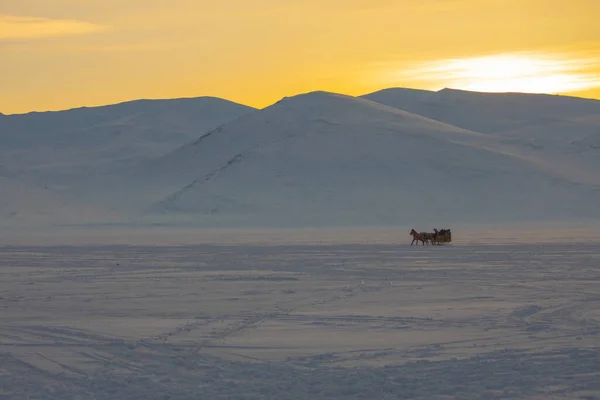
(510, 72)
(128, 47)
(21, 27)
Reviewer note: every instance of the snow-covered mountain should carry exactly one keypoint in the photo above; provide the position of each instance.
(323, 158)
(498, 113)
(402, 98)
(558, 132)
(24, 204)
(398, 156)
(59, 147)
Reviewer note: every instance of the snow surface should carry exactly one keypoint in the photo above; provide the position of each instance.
(364, 319)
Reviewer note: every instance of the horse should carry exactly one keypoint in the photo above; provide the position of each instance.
(418, 237)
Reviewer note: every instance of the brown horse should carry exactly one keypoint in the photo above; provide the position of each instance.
(418, 237)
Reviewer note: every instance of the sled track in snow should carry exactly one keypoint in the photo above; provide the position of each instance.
(483, 322)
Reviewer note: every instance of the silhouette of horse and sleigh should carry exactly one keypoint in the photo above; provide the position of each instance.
(436, 237)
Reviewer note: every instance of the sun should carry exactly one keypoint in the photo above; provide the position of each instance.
(519, 72)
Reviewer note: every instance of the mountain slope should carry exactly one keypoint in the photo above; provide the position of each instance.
(290, 117)
(489, 112)
(23, 204)
(323, 158)
(557, 132)
(402, 98)
(60, 146)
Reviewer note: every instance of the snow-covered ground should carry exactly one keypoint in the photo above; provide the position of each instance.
(308, 315)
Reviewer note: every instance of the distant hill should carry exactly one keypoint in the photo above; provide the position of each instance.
(402, 98)
(24, 204)
(324, 158)
(58, 147)
(398, 156)
(489, 112)
(560, 133)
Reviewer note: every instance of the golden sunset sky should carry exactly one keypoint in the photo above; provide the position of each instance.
(59, 54)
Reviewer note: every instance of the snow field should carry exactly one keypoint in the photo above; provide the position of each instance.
(300, 321)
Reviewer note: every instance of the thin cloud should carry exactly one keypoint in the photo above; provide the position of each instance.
(511, 72)
(21, 27)
(129, 47)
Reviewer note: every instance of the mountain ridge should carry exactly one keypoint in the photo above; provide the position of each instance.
(64, 145)
(124, 103)
(322, 158)
(343, 155)
(488, 112)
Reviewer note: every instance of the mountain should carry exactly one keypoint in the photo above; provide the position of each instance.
(66, 146)
(291, 116)
(323, 158)
(498, 113)
(558, 132)
(439, 158)
(402, 98)
(24, 204)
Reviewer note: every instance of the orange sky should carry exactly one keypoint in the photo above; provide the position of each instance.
(67, 53)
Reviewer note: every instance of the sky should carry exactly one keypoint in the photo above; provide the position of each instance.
(60, 54)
